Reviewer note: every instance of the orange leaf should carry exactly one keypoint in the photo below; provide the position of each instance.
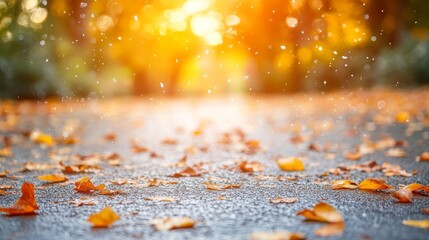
(246, 166)
(279, 235)
(424, 157)
(343, 184)
(322, 212)
(283, 200)
(414, 186)
(403, 195)
(26, 204)
(417, 223)
(41, 138)
(329, 230)
(104, 218)
(290, 164)
(54, 178)
(374, 184)
(85, 185)
(212, 186)
(168, 223)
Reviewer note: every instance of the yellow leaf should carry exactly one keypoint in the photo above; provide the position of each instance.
(290, 164)
(41, 138)
(322, 212)
(54, 178)
(417, 223)
(374, 184)
(104, 218)
(343, 184)
(168, 223)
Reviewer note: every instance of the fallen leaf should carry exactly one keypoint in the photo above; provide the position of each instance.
(188, 172)
(26, 204)
(32, 166)
(169, 223)
(322, 212)
(83, 201)
(424, 157)
(425, 210)
(161, 199)
(169, 141)
(283, 200)
(394, 170)
(212, 186)
(329, 230)
(137, 148)
(39, 137)
(396, 152)
(111, 192)
(290, 164)
(53, 178)
(402, 117)
(250, 147)
(6, 152)
(343, 184)
(279, 235)
(104, 218)
(403, 195)
(85, 185)
(254, 166)
(111, 137)
(418, 188)
(374, 184)
(417, 223)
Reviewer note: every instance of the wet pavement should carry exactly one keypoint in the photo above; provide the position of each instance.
(213, 132)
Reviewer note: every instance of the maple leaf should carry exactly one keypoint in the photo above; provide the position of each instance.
(26, 204)
(374, 184)
(283, 200)
(403, 195)
(417, 223)
(322, 212)
(85, 185)
(53, 178)
(104, 218)
(169, 223)
(343, 184)
(290, 164)
(278, 235)
(254, 166)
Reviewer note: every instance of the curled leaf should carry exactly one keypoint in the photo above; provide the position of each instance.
(322, 212)
(343, 184)
(290, 164)
(104, 218)
(403, 195)
(374, 184)
(26, 204)
(85, 185)
(169, 223)
(53, 178)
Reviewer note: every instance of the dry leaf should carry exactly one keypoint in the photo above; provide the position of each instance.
(329, 230)
(246, 166)
(290, 164)
(394, 170)
(283, 200)
(83, 201)
(32, 166)
(403, 195)
(41, 138)
(418, 188)
(53, 178)
(85, 185)
(417, 223)
(6, 152)
(104, 218)
(26, 204)
(251, 147)
(322, 212)
(188, 172)
(425, 210)
(111, 192)
(169, 223)
(212, 186)
(161, 199)
(374, 184)
(279, 235)
(396, 152)
(424, 157)
(343, 184)
(402, 117)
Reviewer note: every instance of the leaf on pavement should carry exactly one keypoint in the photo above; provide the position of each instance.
(396, 152)
(53, 178)
(343, 184)
(104, 218)
(417, 223)
(26, 204)
(329, 230)
(374, 184)
(188, 172)
(403, 195)
(39, 137)
(161, 199)
(424, 157)
(290, 164)
(85, 185)
(322, 212)
(283, 200)
(169, 223)
(212, 186)
(254, 166)
(279, 235)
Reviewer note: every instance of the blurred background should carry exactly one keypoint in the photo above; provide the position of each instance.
(175, 47)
